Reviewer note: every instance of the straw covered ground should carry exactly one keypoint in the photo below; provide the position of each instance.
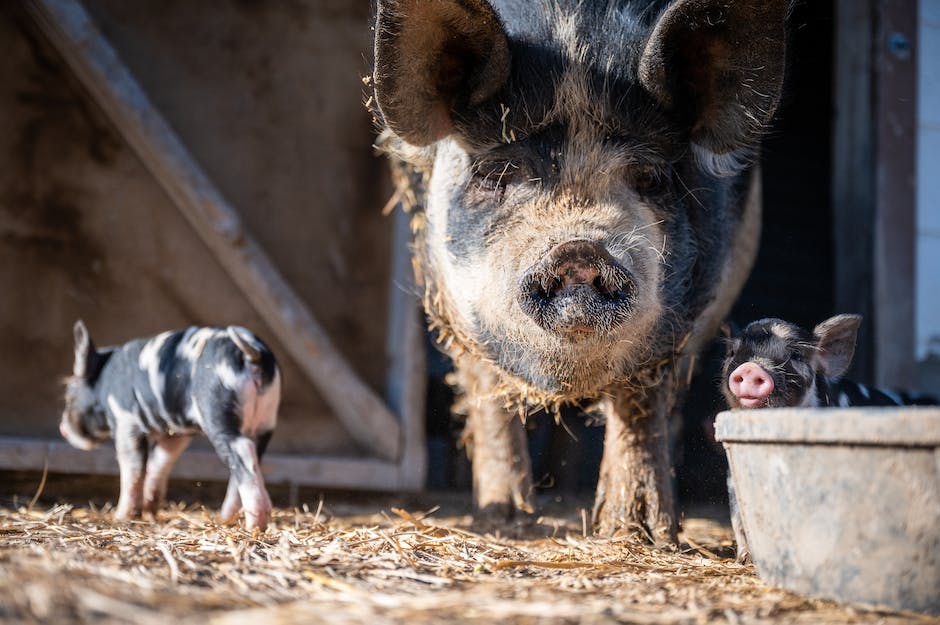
(375, 564)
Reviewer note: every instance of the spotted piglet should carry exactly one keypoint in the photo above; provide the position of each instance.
(153, 394)
(777, 364)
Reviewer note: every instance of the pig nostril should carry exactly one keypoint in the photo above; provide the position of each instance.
(551, 289)
(601, 286)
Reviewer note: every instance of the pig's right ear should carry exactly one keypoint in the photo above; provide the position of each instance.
(84, 349)
(718, 66)
(433, 59)
(835, 342)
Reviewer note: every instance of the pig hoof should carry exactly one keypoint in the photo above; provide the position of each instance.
(123, 515)
(259, 523)
(258, 518)
(229, 514)
(228, 519)
(496, 514)
(151, 508)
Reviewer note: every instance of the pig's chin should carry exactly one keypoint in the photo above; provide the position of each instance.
(579, 361)
(751, 402)
(576, 365)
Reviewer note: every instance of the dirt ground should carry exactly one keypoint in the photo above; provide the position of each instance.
(370, 562)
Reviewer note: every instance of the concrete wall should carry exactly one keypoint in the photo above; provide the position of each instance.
(268, 98)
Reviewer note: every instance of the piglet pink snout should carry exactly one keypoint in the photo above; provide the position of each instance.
(751, 384)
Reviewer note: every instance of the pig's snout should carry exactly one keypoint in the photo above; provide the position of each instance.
(751, 384)
(577, 289)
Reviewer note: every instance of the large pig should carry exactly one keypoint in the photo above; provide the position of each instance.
(588, 209)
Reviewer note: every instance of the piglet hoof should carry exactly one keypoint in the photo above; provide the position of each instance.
(228, 515)
(230, 518)
(257, 520)
(124, 514)
(151, 507)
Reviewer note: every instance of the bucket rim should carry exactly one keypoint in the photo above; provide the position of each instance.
(907, 426)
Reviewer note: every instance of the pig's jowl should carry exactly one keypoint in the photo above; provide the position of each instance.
(588, 209)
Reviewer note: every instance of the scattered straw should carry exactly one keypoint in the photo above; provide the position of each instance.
(73, 565)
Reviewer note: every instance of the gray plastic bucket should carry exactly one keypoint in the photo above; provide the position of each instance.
(841, 503)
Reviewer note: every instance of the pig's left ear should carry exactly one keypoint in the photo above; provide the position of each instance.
(719, 67)
(835, 342)
(729, 338)
(434, 59)
(84, 349)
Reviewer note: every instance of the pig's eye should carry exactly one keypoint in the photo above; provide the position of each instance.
(646, 179)
(494, 176)
(797, 356)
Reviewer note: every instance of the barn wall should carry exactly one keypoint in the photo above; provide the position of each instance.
(928, 196)
(267, 97)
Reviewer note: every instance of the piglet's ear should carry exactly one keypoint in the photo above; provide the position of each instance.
(718, 65)
(432, 60)
(728, 338)
(835, 340)
(84, 349)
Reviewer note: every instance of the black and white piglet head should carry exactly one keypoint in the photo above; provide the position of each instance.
(84, 421)
(775, 363)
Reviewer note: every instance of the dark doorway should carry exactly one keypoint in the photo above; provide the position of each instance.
(793, 276)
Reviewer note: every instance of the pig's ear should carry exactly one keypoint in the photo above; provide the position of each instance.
(730, 336)
(433, 59)
(835, 340)
(84, 349)
(719, 67)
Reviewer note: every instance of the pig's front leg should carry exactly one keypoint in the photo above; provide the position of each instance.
(131, 446)
(496, 441)
(634, 489)
(241, 455)
(159, 465)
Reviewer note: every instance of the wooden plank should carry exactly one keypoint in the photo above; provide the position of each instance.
(853, 180)
(896, 197)
(31, 454)
(69, 28)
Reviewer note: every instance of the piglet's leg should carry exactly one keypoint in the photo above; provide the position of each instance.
(233, 501)
(132, 459)
(241, 455)
(159, 465)
(232, 504)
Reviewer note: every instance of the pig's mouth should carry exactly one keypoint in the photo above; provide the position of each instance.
(751, 402)
(577, 290)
